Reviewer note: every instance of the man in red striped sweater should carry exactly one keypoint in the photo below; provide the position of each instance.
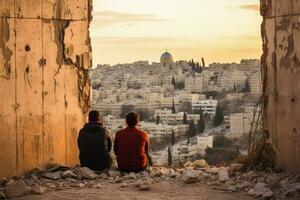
(132, 146)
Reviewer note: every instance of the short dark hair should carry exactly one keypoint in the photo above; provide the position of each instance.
(94, 116)
(132, 119)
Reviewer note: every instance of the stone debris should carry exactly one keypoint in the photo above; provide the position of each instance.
(223, 175)
(52, 175)
(114, 173)
(190, 176)
(15, 189)
(262, 185)
(69, 174)
(196, 164)
(38, 189)
(86, 173)
(236, 167)
(2, 195)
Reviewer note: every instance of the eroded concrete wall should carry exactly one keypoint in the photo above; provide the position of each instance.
(281, 78)
(45, 54)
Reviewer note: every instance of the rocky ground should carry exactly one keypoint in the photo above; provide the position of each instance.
(196, 181)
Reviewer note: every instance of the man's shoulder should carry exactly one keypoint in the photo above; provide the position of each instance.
(143, 133)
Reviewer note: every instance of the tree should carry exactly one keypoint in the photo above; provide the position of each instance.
(173, 107)
(157, 119)
(221, 141)
(234, 87)
(185, 118)
(203, 62)
(126, 109)
(169, 157)
(219, 117)
(173, 138)
(246, 87)
(173, 81)
(144, 114)
(201, 123)
(192, 129)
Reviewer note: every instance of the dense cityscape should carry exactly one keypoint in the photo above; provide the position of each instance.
(190, 110)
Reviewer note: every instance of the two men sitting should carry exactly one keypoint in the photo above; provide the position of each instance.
(131, 145)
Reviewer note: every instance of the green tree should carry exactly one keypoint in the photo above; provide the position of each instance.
(203, 62)
(173, 107)
(173, 81)
(126, 109)
(173, 138)
(201, 123)
(221, 141)
(157, 119)
(246, 87)
(192, 129)
(185, 121)
(170, 162)
(219, 117)
(144, 114)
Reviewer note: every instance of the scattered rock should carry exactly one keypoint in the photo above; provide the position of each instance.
(163, 171)
(223, 175)
(190, 177)
(132, 175)
(232, 188)
(124, 185)
(86, 173)
(144, 188)
(2, 195)
(119, 180)
(97, 186)
(260, 189)
(154, 172)
(200, 164)
(172, 174)
(251, 192)
(69, 174)
(297, 187)
(114, 173)
(15, 189)
(81, 185)
(290, 193)
(236, 167)
(243, 185)
(268, 194)
(37, 189)
(52, 175)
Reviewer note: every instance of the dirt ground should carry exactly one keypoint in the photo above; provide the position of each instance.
(164, 190)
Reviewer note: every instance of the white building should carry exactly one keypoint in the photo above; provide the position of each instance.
(255, 83)
(207, 106)
(162, 130)
(203, 142)
(197, 146)
(168, 117)
(240, 124)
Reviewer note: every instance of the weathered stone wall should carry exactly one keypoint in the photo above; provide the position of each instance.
(281, 78)
(45, 54)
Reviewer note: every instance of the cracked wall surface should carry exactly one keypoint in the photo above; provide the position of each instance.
(45, 54)
(281, 78)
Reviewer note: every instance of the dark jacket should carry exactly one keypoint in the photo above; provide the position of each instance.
(94, 144)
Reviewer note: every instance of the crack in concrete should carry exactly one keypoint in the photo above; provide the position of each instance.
(6, 52)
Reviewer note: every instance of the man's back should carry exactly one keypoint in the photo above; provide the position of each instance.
(131, 147)
(94, 144)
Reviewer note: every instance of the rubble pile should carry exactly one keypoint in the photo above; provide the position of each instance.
(261, 185)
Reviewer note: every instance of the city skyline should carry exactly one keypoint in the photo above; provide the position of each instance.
(131, 30)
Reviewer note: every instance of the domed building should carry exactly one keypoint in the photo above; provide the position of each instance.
(166, 59)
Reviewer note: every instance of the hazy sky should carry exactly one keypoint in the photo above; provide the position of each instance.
(124, 31)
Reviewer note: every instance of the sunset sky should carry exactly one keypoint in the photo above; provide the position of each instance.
(124, 31)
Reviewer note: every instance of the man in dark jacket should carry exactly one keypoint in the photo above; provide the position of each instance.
(94, 144)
